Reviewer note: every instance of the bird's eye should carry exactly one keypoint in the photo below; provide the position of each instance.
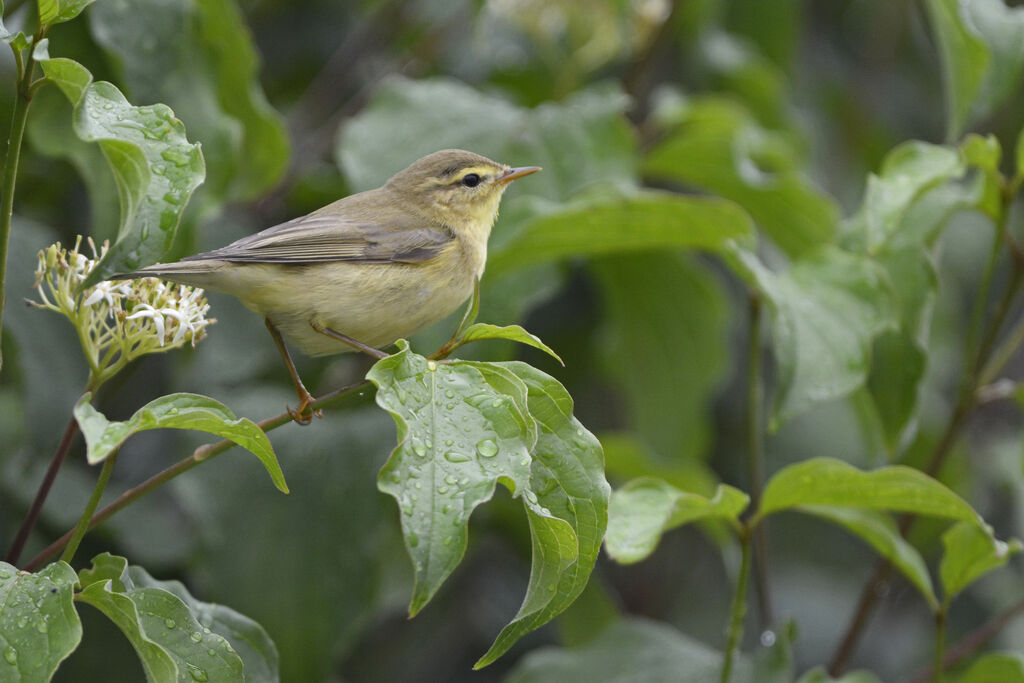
(471, 180)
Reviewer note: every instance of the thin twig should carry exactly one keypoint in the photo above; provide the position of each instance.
(755, 458)
(97, 495)
(29, 523)
(204, 452)
(971, 642)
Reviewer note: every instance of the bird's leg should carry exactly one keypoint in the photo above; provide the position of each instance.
(304, 415)
(358, 345)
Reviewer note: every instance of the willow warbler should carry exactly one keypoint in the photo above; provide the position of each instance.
(368, 268)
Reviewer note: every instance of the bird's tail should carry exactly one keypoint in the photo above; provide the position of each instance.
(196, 273)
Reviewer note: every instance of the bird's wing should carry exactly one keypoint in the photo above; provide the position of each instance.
(322, 238)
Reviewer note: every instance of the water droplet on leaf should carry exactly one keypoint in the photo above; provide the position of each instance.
(455, 456)
(487, 448)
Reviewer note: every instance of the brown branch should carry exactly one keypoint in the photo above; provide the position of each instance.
(204, 452)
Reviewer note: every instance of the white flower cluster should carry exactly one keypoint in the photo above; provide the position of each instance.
(117, 320)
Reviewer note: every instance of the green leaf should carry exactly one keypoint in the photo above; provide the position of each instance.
(666, 343)
(199, 58)
(567, 475)
(646, 221)
(897, 366)
(826, 481)
(980, 43)
(1019, 155)
(176, 411)
(172, 645)
(39, 626)
(644, 509)
(826, 309)
(479, 331)
(58, 11)
(154, 166)
(463, 427)
(995, 667)
(719, 148)
(631, 650)
(880, 532)
(247, 638)
(460, 431)
(907, 173)
(969, 552)
(580, 141)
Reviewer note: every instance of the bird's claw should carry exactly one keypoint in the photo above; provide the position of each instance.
(304, 414)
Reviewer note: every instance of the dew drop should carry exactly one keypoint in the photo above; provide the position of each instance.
(170, 623)
(450, 393)
(211, 652)
(450, 480)
(768, 638)
(11, 656)
(455, 456)
(445, 510)
(196, 673)
(442, 490)
(447, 540)
(532, 497)
(487, 448)
(418, 447)
(414, 540)
(431, 365)
(42, 626)
(4, 576)
(196, 636)
(418, 485)
(497, 402)
(23, 622)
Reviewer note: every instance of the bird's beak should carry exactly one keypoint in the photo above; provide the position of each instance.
(513, 173)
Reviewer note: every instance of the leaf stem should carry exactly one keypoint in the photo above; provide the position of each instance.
(83, 523)
(739, 607)
(940, 642)
(971, 642)
(29, 523)
(204, 452)
(10, 173)
(755, 455)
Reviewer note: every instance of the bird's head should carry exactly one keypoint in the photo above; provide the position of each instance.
(457, 188)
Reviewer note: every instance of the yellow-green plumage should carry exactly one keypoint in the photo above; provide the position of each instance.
(374, 266)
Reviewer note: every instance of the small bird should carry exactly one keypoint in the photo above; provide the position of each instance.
(367, 269)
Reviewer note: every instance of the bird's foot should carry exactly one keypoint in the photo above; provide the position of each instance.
(304, 414)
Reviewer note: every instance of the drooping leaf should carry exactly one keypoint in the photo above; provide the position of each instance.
(826, 481)
(58, 11)
(969, 552)
(480, 331)
(247, 638)
(826, 310)
(980, 43)
(880, 532)
(458, 434)
(172, 645)
(642, 510)
(666, 341)
(154, 166)
(463, 427)
(644, 221)
(176, 411)
(995, 667)
(39, 626)
(717, 147)
(199, 58)
(567, 475)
